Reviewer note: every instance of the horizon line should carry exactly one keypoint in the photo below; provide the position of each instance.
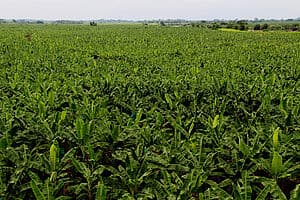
(157, 19)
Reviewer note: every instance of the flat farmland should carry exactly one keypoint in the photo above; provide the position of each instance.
(148, 112)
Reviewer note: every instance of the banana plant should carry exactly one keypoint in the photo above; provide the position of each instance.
(90, 181)
(57, 167)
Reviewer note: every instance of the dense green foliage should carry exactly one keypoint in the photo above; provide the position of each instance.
(148, 112)
(244, 25)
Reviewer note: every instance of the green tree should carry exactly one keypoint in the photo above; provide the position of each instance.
(265, 27)
(257, 27)
(242, 25)
(162, 23)
(93, 23)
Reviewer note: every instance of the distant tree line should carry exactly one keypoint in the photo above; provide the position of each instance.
(21, 21)
(244, 25)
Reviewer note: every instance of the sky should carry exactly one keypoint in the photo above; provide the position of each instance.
(149, 9)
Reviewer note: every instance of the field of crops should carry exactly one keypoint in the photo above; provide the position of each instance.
(148, 112)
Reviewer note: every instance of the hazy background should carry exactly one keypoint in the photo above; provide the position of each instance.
(149, 9)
